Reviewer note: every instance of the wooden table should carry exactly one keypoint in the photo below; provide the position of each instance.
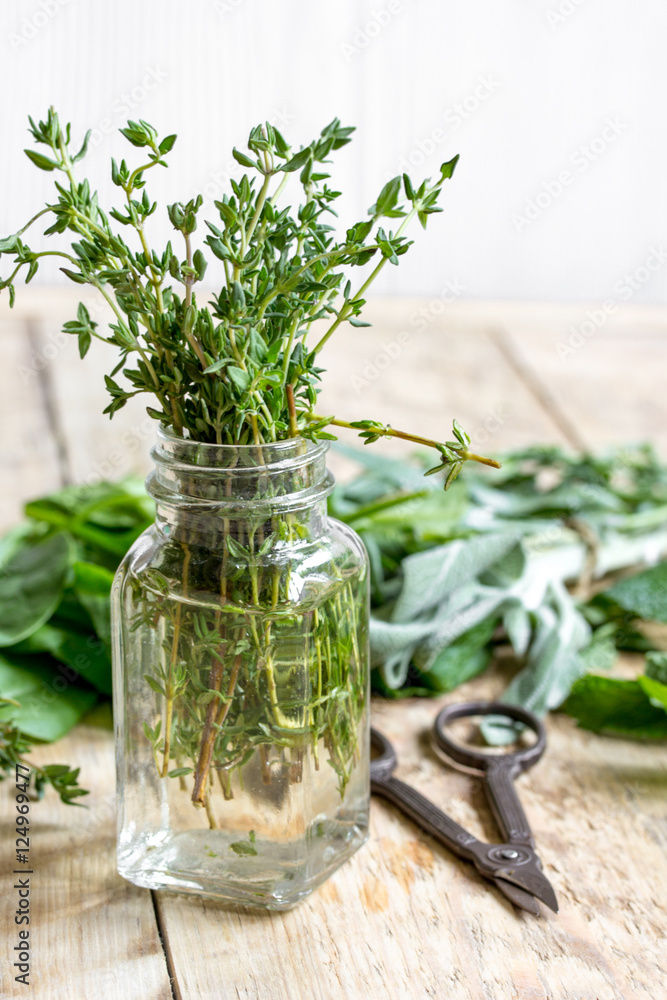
(404, 919)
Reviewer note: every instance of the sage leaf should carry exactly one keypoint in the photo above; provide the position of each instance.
(656, 665)
(517, 624)
(462, 659)
(654, 690)
(429, 577)
(553, 664)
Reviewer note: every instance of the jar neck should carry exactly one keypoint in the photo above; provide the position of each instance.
(201, 489)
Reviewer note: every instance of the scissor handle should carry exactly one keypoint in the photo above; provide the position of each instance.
(424, 812)
(385, 763)
(499, 770)
(523, 758)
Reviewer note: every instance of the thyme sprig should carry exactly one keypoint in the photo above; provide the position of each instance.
(14, 745)
(239, 369)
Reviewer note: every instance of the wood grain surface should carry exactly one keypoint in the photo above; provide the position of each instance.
(94, 935)
(404, 918)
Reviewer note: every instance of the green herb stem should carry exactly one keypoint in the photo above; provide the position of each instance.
(386, 431)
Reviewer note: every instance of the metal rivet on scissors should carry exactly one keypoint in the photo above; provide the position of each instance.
(513, 865)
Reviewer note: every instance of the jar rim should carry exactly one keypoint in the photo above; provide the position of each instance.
(169, 435)
(269, 456)
(187, 471)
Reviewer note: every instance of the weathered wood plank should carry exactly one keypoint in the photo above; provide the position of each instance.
(93, 935)
(610, 385)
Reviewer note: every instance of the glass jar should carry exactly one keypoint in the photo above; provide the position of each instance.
(240, 622)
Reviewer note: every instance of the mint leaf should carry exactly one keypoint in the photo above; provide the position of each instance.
(645, 594)
(624, 708)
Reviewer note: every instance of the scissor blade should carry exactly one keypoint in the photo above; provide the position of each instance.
(534, 881)
(519, 897)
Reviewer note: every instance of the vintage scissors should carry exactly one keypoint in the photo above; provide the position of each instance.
(513, 865)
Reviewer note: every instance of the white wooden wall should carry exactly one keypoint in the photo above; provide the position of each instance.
(556, 106)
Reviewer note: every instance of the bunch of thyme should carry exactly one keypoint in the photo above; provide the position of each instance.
(238, 369)
(14, 745)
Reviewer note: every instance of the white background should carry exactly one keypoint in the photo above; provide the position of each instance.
(522, 89)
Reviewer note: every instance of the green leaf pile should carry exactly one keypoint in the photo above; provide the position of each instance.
(449, 569)
(56, 572)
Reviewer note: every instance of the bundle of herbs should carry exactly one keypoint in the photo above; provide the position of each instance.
(239, 371)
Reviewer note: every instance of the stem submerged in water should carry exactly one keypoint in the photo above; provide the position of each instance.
(262, 659)
(172, 665)
(215, 717)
